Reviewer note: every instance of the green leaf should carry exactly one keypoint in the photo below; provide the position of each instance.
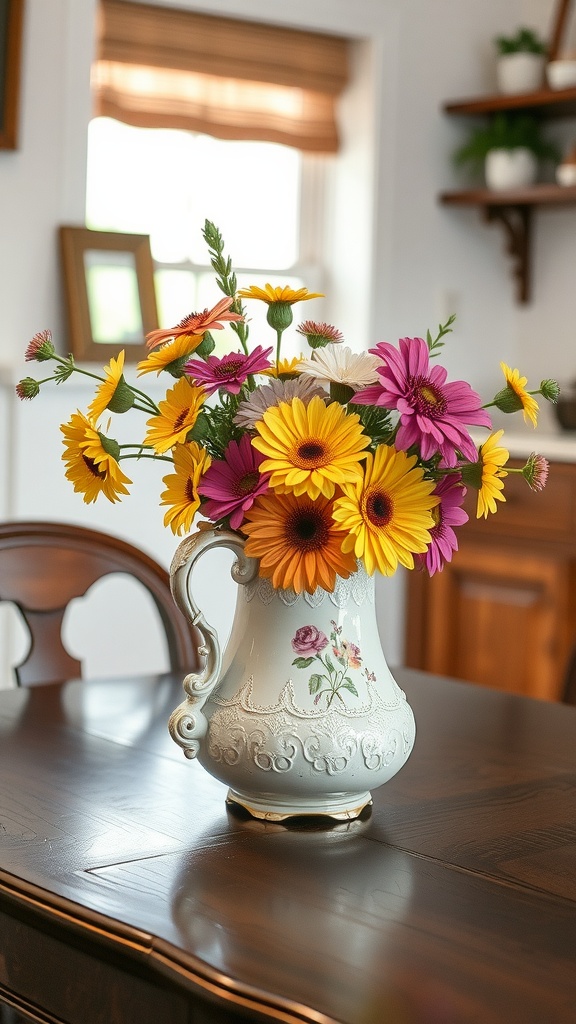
(329, 664)
(349, 685)
(315, 682)
(302, 662)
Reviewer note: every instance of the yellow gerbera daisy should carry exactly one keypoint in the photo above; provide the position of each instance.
(178, 414)
(114, 393)
(171, 356)
(492, 457)
(297, 542)
(387, 513)
(285, 368)
(91, 465)
(310, 448)
(270, 294)
(181, 494)
(516, 391)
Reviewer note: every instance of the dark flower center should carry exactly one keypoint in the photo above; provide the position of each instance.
(246, 483)
(311, 451)
(189, 490)
(180, 419)
(229, 368)
(93, 468)
(426, 398)
(307, 529)
(378, 508)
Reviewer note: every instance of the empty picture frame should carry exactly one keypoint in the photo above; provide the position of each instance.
(11, 17)
(109, 292)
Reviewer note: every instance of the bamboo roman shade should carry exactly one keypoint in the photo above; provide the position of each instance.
(163, 67)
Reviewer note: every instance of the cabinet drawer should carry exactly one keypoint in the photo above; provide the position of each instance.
(548, 514)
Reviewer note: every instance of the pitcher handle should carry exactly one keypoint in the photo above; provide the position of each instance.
(187, 723)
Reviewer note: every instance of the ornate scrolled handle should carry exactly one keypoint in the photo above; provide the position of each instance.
(187, 723)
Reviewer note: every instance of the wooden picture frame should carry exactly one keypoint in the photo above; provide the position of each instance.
(11, 20)
(109, 292)
(562, 14)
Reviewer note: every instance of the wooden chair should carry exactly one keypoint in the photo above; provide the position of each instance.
(569, 696)
(43, 566)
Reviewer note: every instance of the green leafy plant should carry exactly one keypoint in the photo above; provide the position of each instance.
(506, 131)
(525, 41)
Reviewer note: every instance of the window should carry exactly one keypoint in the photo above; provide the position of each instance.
(165, 182)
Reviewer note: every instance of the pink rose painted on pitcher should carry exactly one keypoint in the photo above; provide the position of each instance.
(309, 640)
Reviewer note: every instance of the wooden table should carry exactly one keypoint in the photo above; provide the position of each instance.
(129, 893)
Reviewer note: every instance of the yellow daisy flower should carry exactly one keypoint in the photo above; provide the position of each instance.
(285, 368)
(516, 389)
(492, 457)
(170, 357)
(91, 463)
(181, 494)
(297, 542)
(269, 294)
(387, 513)
(310, 448)
(114, 393)
(178, 414)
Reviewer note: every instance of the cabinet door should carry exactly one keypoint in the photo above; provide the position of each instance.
(498, 617)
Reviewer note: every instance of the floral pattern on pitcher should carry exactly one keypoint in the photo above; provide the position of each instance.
(311, 644)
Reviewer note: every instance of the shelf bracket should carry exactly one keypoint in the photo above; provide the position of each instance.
(516, 221)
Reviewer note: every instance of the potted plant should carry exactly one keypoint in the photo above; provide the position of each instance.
(520, 64)
(508, 149)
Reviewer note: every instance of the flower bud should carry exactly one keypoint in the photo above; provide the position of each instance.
(28, 388)
(279, 315)
(535, 472)
(550, 390)
(40, 348)
(507, 400)
(110, 446)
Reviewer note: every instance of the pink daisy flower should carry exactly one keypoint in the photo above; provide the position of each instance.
(231, 484)
(447, 514)
(230, 372)
(433, 413)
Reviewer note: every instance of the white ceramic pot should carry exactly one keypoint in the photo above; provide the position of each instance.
(301, 715)
(561, 74)
(519, 72)
(510, 168)
(566, 174)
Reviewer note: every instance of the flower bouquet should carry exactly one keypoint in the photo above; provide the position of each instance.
(316, 462)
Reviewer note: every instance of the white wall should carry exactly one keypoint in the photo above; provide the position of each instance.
(399, 261)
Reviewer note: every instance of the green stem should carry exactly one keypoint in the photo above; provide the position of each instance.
(145, 455)
(279, 334)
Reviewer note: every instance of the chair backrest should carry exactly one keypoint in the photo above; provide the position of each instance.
(44, 565)
(569, 695)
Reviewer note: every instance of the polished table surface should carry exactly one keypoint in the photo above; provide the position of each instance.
(130, 893)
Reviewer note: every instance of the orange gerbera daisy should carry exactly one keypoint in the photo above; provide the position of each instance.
(197, 323)
(178, 414)
(297, 542)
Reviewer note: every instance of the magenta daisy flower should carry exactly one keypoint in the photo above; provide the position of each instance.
(230, 372)
(433, 413)
(446, 515)
(231, 484)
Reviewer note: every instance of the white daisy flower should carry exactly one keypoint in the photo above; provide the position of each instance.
(340, 365)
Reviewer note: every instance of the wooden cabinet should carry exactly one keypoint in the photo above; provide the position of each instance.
(503, 612)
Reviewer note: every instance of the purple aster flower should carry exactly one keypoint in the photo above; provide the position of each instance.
(231, 484)
(447, 514)
(433, 413)
(230, 372)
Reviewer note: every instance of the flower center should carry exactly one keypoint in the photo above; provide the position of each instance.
(93, 468)
(378, 508)
(228, 369)
(426, 398)
(181, 419)
(246, 483)
(436, 516)
(311, 454)
(307, 530)
(189, 490)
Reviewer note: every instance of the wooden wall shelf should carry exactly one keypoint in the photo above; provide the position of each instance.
(512, 209)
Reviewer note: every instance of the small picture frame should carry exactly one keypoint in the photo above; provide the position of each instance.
(11, 19)
(109, 292)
